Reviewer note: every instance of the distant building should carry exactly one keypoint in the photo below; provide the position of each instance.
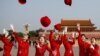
(87, 28)
(86, 25)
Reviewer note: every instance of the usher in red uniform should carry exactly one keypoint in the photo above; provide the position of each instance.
(23, 47)
(68, 46)
(82, 46)
(41, 50)
(7, 46)
(94, 52)
(55, 45)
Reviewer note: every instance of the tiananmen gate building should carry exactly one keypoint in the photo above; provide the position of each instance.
(87, 28)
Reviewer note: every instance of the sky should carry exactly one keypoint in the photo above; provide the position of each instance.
(12, 12)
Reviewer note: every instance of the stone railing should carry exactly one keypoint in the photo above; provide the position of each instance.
(88, 34)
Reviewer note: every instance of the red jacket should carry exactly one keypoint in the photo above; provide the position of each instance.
(94, 52)
(68, 46)
(41, 51)
(82, 45)
(23, 47)
(7, 46)
(87, 49)
(55, 45)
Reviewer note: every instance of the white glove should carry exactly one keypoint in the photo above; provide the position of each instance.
(92, 46)
(5, 32)
(73, 34)
(54, 52)
(76, 34)
(63, 32)
(12, 27)
(78, 26)
(66, 29)
(38, 46)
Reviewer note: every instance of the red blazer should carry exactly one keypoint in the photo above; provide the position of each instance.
(55, 45)
(23, 47)
(7, 46)
(41, 51)
(81, 44)
(94, 52)
(87, 49)
(68, 46)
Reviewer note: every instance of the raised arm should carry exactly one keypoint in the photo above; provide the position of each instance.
(94, 49)
(79, 30)
(63, 38)
(64, 35)
(5, 40)
(48, 48)
(73, 38)
(17, 37)
(15, 34)
(4, 37)
(60, 41)
(80, 41)
(51, 36)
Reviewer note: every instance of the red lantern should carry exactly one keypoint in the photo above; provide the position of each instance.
(57, 26)
(68, 2)
(22, 1)
(45, 21)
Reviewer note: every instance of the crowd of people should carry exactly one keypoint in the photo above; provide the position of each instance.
(86, 48)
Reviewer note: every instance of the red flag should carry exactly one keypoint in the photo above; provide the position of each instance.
(68, 2)
(22, 1)
(57, 26)
(45, 21)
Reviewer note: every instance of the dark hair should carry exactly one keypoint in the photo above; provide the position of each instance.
(10, 33)
(43, 37)
(93, 38)
(29, 36)
(84, 35)
(28, 40)
(12, 39)
(40, 37)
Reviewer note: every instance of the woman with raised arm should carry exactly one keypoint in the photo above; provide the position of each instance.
(41, 46)
(68, 43)
(23, 45)
(55, 42)
(83, 45)
(7, 39)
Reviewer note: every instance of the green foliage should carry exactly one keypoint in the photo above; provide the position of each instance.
(31, 33)
(20, 34)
